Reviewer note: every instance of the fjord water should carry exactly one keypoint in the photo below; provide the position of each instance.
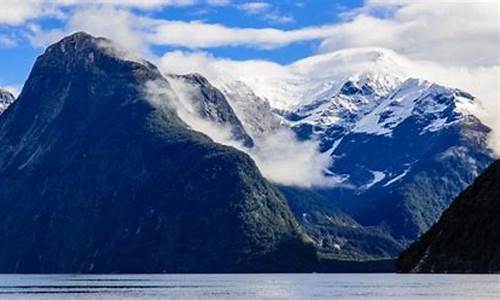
(250, 286)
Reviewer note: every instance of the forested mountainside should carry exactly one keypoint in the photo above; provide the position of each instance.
(466, 237)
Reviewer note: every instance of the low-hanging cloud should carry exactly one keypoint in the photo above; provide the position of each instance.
(279, 155)
(284, 159)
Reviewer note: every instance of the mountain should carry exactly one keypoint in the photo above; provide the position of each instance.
(99, 174)
(403, 156)
(6, 99)
(466, 237)
(402, 147)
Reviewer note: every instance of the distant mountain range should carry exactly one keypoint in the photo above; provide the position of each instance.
(466, 237)
(112, 147)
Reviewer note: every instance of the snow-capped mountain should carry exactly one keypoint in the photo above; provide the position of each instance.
(359, 108)
(331, 117)
(433, 105)
(6, 99)
(403, 146)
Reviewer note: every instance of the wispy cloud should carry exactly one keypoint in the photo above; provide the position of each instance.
(277, 18)
(203, 35)
(7, 41)
(18, 12)
(254, 7)
(265, 11)
(218, 2)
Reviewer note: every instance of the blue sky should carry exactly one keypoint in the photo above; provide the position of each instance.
(461, 36)
(16, 60)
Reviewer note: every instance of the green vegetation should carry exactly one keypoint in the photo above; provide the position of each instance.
(466, 237)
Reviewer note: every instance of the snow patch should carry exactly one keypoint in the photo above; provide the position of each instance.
(397, 178)
(377, 177)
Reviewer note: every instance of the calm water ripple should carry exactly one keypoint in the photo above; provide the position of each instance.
(251, 286)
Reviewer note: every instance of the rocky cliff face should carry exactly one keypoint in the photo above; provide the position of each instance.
(466, 237)
(99, 176)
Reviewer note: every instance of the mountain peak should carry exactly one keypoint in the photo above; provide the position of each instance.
(80, 49)
(77, 42)
(81, 36)
(81, 53)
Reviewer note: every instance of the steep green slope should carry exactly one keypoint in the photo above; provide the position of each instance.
(466, 237)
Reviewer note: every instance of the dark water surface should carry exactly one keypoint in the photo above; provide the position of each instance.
(253, 286)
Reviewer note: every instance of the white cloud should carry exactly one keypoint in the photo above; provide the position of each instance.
(125, 29)
(283, 159)
(18, 12)
(141, 4)
(254, 7)
(7, 41)
(450, 32)
(203, 35)
(278, 18)
(218, 2)
(193, 34)
(265, 11)
(271, 84)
